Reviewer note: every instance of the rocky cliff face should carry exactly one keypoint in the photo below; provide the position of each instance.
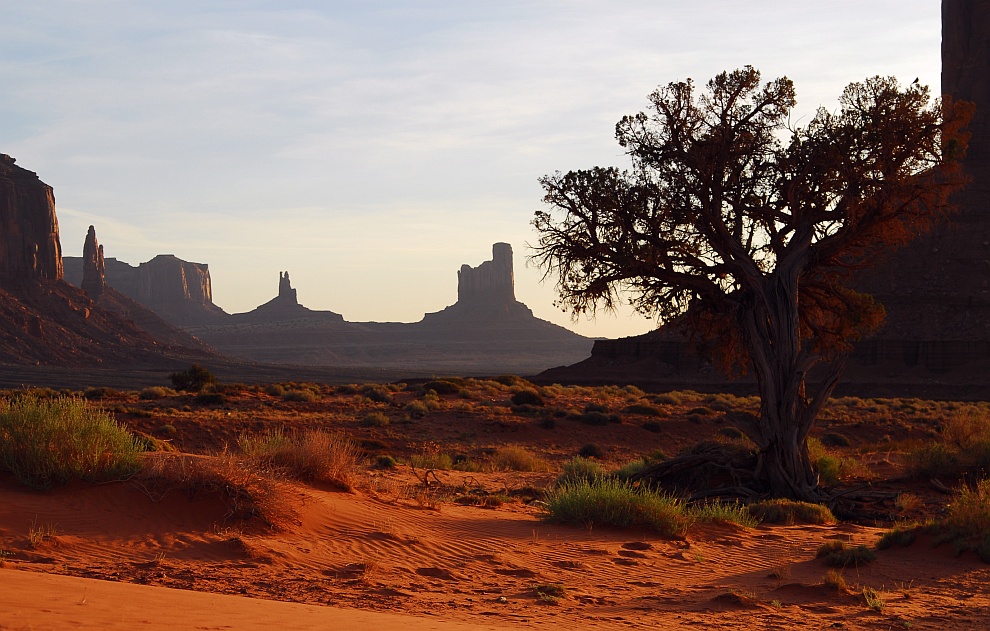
(29, 245)
(179, 291)
(94, 266)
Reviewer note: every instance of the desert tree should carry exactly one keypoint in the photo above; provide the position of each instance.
(740, 228)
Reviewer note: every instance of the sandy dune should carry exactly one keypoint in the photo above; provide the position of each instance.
(469, 567)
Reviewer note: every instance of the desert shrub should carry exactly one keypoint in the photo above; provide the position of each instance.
(385, 462)
(633, 391)
(790, 512)
(834, 439)
(247, 490)
(154, 392)
(610, 502)
(193, 379)
(591, 450)
(377, 393)
(527, 397)
(932, 460)
(166, 429)
(51, 441)
(211, 398)
(312, 455)
(374, 419)
(96, 394)
(432, 458)
(347, 388)
(299, 396)
(514, 380)
(654, 457)
(669, 398)
(416, 409)
(841, 554)
(830, 467)
(275, 390)
(644, 409)
(732, 433)
(629, 469)
(596, 407)
(442, 386)
(432, 401)
(900, 535)
(594, 418)
(833, 580)
(579, 469)
(701, 411)
(517, 458)
(550, 593)
(653, 426)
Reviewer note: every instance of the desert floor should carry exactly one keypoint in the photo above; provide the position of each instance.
(442, 556)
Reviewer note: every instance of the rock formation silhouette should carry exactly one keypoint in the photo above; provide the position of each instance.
(94, 266)
(29, 245)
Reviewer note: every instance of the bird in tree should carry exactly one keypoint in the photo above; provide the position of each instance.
(739, 229)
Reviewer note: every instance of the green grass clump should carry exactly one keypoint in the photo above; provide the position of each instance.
(550, 593)
(44, 442)
(312, 455)
(416, 409)
(580, 469)
(721, 512)
(610, 502)
(299, 396)
(790, 512)
(374, 419)
(841, 554)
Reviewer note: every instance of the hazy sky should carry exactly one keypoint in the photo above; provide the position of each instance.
(371, 148)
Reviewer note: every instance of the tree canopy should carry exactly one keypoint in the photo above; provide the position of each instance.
(737, 225)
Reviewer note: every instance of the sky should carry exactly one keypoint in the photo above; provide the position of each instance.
(371, 148)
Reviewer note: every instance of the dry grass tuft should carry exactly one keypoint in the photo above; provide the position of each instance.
(315, 455)
(247, 490)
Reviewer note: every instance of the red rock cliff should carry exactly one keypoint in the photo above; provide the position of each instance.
(29, 245)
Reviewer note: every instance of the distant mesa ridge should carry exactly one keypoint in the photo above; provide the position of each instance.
(285, 307)
(179, 291)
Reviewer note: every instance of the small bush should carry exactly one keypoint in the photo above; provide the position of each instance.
(377, 393)
(596, 407)
(833, 439)
(154, 392)
(731, 433)
(591, 450)
(96, 394)
(834, 581)
(516, 458)
(629, 469)
(594, 418)
(374, 419)
(385, 462)
(514, 380)
(312, 455)
(550, 593)
(51, 441)
(841, 554)
(432, 459)
(299, 396)
(723, 513)
(416, 409)
(211, 398)
(644, 409)
(442, 386)
(193, 379)
(580, 469)
(790, 512)
(527, 397)
(275, 390)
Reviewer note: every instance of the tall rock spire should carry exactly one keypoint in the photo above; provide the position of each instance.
(94, 267)
(491, 282)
